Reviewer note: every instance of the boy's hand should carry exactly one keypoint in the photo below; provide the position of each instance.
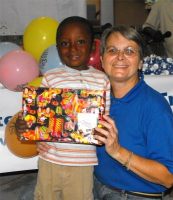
(20, 125)
(43, 147)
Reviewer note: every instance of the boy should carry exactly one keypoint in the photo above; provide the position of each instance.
(66, 170)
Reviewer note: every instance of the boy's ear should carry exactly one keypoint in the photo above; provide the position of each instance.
(93, 47)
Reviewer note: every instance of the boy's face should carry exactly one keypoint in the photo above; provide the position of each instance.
(74, 46)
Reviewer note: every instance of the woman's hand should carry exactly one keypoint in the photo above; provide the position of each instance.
(108, 135)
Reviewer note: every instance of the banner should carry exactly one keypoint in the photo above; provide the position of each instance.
(11, 103)
(163, 84)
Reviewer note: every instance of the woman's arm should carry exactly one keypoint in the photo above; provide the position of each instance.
(150, 170)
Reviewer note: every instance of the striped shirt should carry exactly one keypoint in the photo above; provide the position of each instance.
(65, 77)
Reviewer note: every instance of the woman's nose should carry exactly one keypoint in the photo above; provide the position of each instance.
(120, 55)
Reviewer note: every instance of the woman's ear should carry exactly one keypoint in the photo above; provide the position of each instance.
(140, 65)
(101, 59)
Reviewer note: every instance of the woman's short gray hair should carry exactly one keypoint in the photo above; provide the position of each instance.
(128, 32)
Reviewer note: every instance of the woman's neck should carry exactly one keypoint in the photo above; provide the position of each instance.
(120, 89)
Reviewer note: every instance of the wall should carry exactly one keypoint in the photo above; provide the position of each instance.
(94, 2)
(93, 11)
(106, 11)
(130, 12)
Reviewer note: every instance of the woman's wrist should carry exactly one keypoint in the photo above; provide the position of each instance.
(127, 164)
(123, 156)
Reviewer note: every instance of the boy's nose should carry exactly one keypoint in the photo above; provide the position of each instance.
(73, 45)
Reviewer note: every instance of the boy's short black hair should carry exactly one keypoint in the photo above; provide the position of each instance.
(76, 19)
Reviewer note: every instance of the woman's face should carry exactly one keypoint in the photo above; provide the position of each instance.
(121, 59)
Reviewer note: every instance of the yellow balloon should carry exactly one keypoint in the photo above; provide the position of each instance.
(39, 35)
(36, 82)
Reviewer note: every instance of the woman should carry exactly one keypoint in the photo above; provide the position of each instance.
(136, 160)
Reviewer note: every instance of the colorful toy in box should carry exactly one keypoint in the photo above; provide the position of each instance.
(62, 114)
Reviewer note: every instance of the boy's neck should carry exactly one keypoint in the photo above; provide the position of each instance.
(80, 68)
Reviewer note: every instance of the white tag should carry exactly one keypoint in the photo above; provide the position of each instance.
(86, 123)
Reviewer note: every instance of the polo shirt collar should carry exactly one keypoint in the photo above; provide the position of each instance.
(131, 94)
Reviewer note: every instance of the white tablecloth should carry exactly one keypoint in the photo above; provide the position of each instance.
(163, 84)
(10, 103)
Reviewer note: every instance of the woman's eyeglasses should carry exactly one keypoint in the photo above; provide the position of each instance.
(127, 52)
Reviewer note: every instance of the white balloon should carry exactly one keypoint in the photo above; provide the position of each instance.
(6, 47)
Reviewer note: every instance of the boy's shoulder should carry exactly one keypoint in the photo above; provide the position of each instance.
(54, 70)
(96, 70)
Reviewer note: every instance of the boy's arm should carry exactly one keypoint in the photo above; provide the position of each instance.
(17, 147)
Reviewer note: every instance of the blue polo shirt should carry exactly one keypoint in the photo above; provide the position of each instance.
(145, 126)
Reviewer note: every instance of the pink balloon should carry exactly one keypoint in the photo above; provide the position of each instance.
(17, 68)
(95, 56)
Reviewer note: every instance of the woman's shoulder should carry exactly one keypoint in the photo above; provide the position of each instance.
(156, 98)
